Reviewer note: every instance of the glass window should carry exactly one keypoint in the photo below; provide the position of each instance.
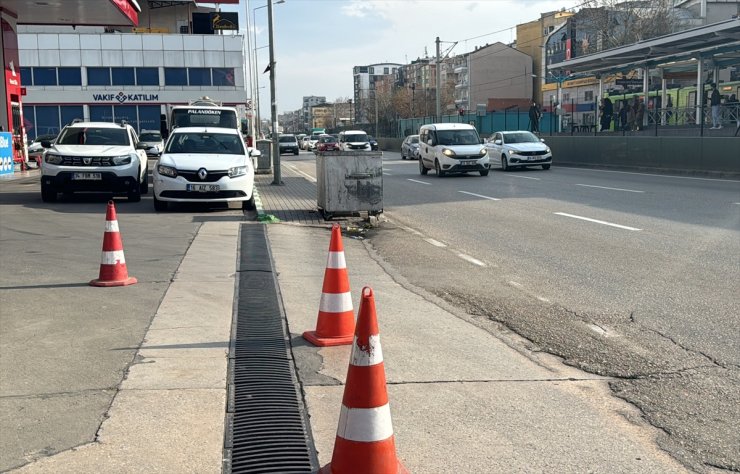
(385, 70)
(199, 76)
(149, 118)
(223, 76)
(122, 76)
(125, 112)
(26, 77)
(175, 76)
(70, 76)
(101, 113)
(98, 76)
(147, 76)
(94, 136)
(589, 96)
(45, 76)
(206, 143)
(47, 119)
(29, 121)
(70, 112)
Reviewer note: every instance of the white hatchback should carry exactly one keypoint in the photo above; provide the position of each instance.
(201, 164)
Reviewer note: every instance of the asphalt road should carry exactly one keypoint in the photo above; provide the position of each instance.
(628, 275)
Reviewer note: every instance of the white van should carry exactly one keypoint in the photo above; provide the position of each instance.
(451, 148)
(354, 140)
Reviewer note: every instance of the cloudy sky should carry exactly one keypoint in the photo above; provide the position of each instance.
(318, 42)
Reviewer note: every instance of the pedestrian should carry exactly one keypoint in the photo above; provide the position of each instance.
(607, 110)
(622, 116)
(669, 109)
(631, 112)
(714, 100)
(534, 117)
(639, 113)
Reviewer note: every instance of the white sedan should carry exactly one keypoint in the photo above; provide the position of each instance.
(204, 165)
(518, 149)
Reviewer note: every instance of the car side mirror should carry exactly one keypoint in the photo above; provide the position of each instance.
(497, 142)
(142, 146)
(46, 144)
(482, 141)
(542, 140)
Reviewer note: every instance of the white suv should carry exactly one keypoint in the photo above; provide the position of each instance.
(354, 140)
(95, 157)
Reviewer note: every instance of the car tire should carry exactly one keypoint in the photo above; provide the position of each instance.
(134, 194)
(48, 194)
(249, 205)
(422, 169)
(438, 169)
(296, 152)
(545, 167)
(144, 185)
(484, 172)
(159, 206)
(504, 163)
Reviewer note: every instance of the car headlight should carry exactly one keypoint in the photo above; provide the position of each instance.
(448, 152)
(547, 150)
(121, 160)
(53, 159)
(237, 171)
(483, 151)
(165, 170)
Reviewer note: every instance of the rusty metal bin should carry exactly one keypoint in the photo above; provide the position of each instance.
(264, 161)
(349, 182)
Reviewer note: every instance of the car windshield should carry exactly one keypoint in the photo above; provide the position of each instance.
(150, 137)
(204, 143)
(287, 139)
(414, 139)
(355, 137)
(327, 140)
(94, 136)
(457, 137)
(520, 137)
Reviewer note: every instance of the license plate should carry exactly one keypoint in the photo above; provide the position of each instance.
(469, 162)
(203, 188)
(87, 176)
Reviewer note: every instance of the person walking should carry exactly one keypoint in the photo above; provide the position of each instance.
(534, 118)
(607, 110)
(639, 113)
(714, 100)
(631, 113)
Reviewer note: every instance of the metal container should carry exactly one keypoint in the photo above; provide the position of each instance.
(264, 161)
(349, 182)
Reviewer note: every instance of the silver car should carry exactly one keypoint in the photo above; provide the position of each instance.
(518, 149)
(410, 147)
(152, 139)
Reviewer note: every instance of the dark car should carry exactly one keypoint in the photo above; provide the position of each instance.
(288, 144)
(373, 143)
(327, 143)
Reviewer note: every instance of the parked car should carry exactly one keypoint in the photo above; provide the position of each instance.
(287, 143)
(204, 164)
(327, 143)
(95, 157)
(518, 149)
(373, 143)
(354, 140)
(36, 149)
(451, 148)
(410, 147)
(153, 139)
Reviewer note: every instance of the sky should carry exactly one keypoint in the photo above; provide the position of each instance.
(318, 42)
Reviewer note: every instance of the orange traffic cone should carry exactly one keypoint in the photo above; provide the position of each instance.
(336, 321)
(365, 443)
(113, 270)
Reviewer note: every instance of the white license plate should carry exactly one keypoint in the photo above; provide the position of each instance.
(469, 162)
(87, 176)
(203, 188)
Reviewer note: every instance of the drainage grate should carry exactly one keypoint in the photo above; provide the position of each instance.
(267, 423)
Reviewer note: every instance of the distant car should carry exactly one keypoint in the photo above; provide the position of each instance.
(304, 142)
(410, 147)
(204, 164)
(327, 143)
(152, 139)
(373, 143)
(36, 150)
(312, 141)
(518, 149)
(354, 140)
(288, 144)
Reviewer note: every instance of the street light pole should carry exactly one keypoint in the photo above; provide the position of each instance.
(277, 178)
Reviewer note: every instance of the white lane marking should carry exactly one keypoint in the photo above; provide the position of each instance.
(436, 243)
(737, 203)
(472, 260)
(413, 231)
(523, 177)
(515, 283)
(544, 300)
(387, 174)
(658, 175)
(480, 196)
(612, 189)
(596, 221)
(417, 181)
(306, 175)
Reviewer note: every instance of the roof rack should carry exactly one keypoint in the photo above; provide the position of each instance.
(76, 120)
(123, 123)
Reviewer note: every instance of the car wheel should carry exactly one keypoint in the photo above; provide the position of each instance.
(134, 194)
(48, 194)
(438, 169)
(545, 167)
(249, 205)
(296, 152)
(144, 186)
(504, 163)
(159, 206)
(422, 169)
(484, 172)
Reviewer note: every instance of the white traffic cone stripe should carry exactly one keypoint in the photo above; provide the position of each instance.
(367, 356)
(113, 257)
(336, 260)
(111, 226)
(365, 424)
(335, 302)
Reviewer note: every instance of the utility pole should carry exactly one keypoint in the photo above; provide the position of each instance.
(438, 108)
(277, 178)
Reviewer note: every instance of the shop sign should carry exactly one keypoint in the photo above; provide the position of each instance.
(122, 97)
(6, 153)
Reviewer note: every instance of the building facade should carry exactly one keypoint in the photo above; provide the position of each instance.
(500, 77)
(364, 88)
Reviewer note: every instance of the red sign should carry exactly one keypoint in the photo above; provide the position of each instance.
(128, 9)
(23, 91)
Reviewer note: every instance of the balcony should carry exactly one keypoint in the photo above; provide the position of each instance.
(460, 69)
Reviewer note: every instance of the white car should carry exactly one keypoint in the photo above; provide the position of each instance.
(204, 164)
(153, 140)
(95, 157)
(451, 148)
(518, 149)
(354, 140)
